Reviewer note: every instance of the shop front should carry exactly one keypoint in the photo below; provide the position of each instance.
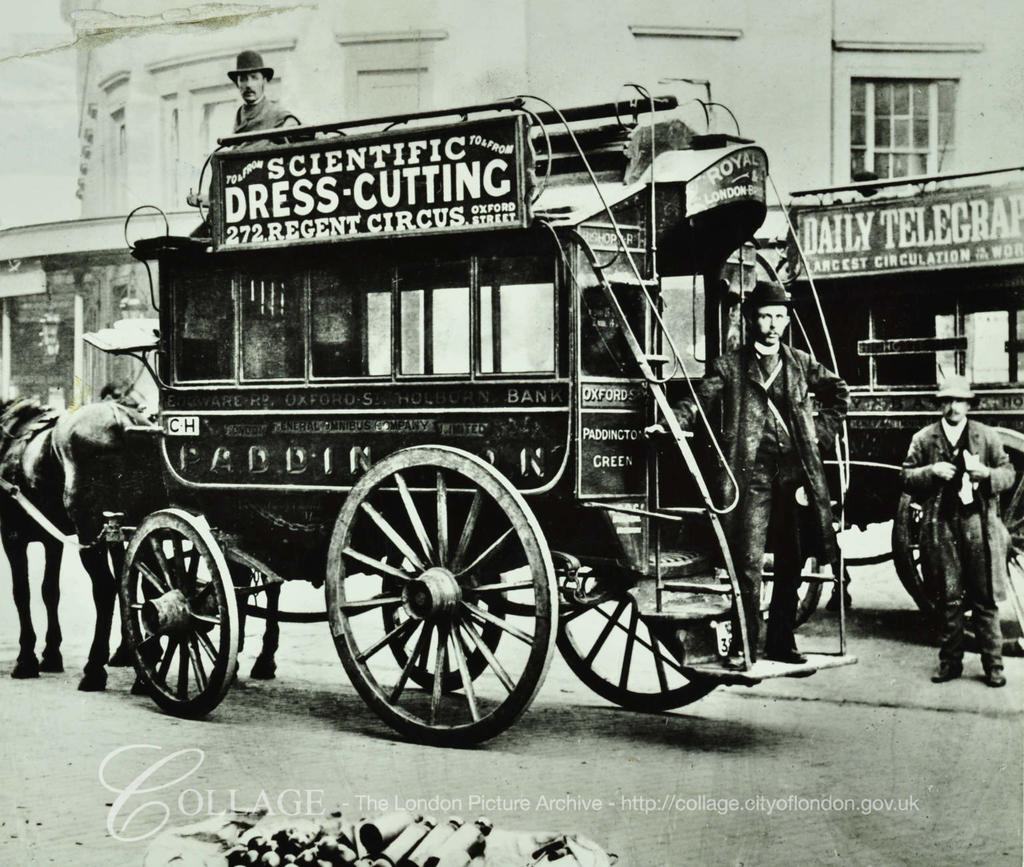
(918, 282)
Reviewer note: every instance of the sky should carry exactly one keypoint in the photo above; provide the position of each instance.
(38, 115)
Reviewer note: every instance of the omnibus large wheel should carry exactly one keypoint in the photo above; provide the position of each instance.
(607, 645)
(926, 589)
(1013, 500)
(444, 547)
(181, 617)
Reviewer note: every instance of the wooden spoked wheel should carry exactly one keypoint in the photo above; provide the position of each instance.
(1013, 500)
(181, 618)
(476, 662)
(441, 596)
(926, 589)
(608, 646)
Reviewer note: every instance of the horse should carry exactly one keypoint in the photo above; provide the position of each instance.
(70, 468)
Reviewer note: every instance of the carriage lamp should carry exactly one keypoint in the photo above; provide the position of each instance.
(131, 307)
(49, 328)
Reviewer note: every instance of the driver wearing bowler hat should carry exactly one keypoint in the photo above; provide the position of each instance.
(772, 439)
(251, 77)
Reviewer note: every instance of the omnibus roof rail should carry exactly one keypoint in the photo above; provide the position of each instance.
(901, 182)
(585, 112)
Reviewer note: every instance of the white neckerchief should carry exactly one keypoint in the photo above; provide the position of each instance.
(770, 354)
(766, 349)
(952, 431)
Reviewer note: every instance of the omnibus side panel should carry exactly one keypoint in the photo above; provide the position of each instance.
(325, 439)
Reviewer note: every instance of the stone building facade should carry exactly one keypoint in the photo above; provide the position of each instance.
(828, 88)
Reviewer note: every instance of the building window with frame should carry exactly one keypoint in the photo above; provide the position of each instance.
(901, 127)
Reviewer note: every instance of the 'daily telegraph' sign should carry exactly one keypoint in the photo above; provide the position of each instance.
(412, 182)
(934, 231)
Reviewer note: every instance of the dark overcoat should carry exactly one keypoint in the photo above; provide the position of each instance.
(929, 447)
(733, 393)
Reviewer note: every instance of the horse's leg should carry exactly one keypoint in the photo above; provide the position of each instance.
(122, 657)
(264, 668)
(95, 562)
(15, 546)
(52, 659)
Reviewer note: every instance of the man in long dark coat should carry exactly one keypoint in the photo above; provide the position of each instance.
(956, 469)
(773, 441)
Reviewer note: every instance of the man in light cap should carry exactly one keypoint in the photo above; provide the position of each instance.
(773, 442)
(956, 469)
(251, 77)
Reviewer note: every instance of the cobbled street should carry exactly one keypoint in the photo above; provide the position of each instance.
(870, 764)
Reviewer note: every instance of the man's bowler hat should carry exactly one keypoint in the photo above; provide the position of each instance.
(250, 61)
(955, 388)
(766, 293)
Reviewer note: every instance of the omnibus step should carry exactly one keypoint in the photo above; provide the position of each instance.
(696, 587)
(692, 640)
(682, 564)
(767, 669)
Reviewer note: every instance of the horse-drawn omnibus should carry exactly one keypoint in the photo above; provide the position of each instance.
(415, 362)
(927, 275)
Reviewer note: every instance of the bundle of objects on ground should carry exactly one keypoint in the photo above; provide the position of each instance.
(397, 839)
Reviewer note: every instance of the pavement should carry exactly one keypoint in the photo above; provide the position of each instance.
(870, 764)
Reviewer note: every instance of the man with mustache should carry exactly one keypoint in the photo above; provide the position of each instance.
(956, 468)
(773, 435)
(251, 77)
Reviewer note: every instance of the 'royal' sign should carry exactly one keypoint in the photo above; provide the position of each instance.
(935, 231)
(738, 177)
(413, 182)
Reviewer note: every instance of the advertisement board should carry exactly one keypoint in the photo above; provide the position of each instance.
(409, 182)
(934, 231)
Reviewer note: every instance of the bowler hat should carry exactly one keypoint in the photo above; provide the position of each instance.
(955, 388)
(766, 293)
(250, 61)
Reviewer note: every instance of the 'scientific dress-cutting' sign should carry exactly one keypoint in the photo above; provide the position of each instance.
(413, 182)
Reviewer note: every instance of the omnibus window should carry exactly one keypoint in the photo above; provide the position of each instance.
(603, 349)
(272, 325)
(434, 313)
(517, 316)
(351, 325)
(204, 328)
(683, 315)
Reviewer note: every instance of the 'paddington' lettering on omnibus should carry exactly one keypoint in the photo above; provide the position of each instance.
(948, 229)
(616, 434)
(298, 464)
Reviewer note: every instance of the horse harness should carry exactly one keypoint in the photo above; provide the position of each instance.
(20, 422)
